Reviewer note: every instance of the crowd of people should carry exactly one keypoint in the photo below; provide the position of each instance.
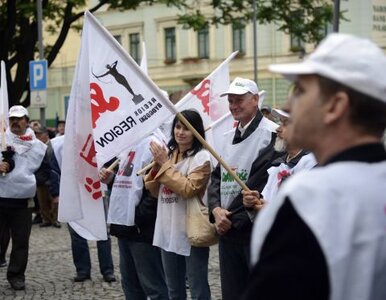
(310, 223)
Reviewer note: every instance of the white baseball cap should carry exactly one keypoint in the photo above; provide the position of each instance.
(277, 113)
(18, 111)
(352, 61)
(241, 86)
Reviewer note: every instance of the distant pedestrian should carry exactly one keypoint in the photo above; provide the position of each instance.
(17, 187)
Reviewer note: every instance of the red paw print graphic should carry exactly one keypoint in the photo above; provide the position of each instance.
(93, 187)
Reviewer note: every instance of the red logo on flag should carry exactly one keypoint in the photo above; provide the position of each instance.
(203, 94)
(94, 187)
(88, 152)
(100, 105)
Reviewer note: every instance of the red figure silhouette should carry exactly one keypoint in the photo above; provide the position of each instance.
(203, 94)
(102, 105)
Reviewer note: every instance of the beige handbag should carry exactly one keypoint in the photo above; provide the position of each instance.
(200, 232)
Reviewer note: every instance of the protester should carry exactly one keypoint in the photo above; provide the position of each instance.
(324, 237)
(48, 206)
(248, 149)
(17, 187)
(79, 245)
(132, 215)
(293, 160)
(60, 128)
(266, 110)
(180, 174)
(34, 124)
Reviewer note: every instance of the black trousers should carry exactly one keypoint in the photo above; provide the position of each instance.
(17, 221)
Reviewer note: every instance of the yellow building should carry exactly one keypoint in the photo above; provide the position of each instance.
(178, 58)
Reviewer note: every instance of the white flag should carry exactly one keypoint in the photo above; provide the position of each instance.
(3, 104)
(143, 63)
(112, 105)
(80, 195)
(125, 104)
(205, 97)
(216, 131)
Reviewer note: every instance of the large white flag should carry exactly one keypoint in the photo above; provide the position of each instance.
(125, 104)
(81, 201)
(112, 105)
(3, 103)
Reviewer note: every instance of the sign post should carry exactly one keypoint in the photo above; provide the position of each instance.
(38, 83)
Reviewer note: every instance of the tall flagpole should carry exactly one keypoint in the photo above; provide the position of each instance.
(254, 42)
(41, 51)
(336, 15)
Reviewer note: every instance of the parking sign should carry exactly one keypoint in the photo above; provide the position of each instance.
(38, 83)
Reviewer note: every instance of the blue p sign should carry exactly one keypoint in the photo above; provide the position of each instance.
(38, 75)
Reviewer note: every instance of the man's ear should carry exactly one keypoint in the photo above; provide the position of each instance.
(336, 107)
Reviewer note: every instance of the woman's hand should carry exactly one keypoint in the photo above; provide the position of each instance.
(105, 175)
(159, 152)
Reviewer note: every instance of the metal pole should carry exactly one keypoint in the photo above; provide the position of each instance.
(41, 50)
(254, 42)
(336, 15)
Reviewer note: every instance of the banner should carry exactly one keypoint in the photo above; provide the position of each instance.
(81, 201)
(217, 129)
(3, 104)
(125, 104)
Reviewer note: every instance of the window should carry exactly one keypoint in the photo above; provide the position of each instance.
(327, 28)
(134, 46)
(170, 45)
(297, 45)
(118, 38)
(238, 33)
(203, 42)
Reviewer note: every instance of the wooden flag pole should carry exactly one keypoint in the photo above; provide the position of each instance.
(212, 151)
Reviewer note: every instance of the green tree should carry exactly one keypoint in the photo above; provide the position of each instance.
(18, 25)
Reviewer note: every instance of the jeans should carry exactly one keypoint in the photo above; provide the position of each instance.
(234, 268)
(81, 255)
(18, 221)
(141, 271)
(194, 267)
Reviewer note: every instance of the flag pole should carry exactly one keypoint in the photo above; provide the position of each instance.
(149, 166)
(209, 148)
(212, 151)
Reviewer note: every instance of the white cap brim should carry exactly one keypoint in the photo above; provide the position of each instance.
(239, 91)
(17, 115)
(279, 113)
(291, 71)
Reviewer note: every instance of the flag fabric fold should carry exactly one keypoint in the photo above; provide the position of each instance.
(4, 106)
(113, 104)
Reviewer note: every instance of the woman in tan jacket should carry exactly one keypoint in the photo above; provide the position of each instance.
(181, 172)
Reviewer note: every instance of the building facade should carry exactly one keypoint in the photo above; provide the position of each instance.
(178, 59)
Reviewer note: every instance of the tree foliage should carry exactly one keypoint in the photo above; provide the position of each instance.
(18, 25)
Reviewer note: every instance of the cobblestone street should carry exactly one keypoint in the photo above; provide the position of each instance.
(50, 271)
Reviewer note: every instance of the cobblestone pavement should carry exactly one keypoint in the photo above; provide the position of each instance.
(50, 271)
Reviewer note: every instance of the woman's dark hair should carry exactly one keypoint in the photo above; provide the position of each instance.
(195, 120)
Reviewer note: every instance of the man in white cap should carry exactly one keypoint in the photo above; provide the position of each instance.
(17, 187)
(292, 161)
(324, 236)
(248, 150)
